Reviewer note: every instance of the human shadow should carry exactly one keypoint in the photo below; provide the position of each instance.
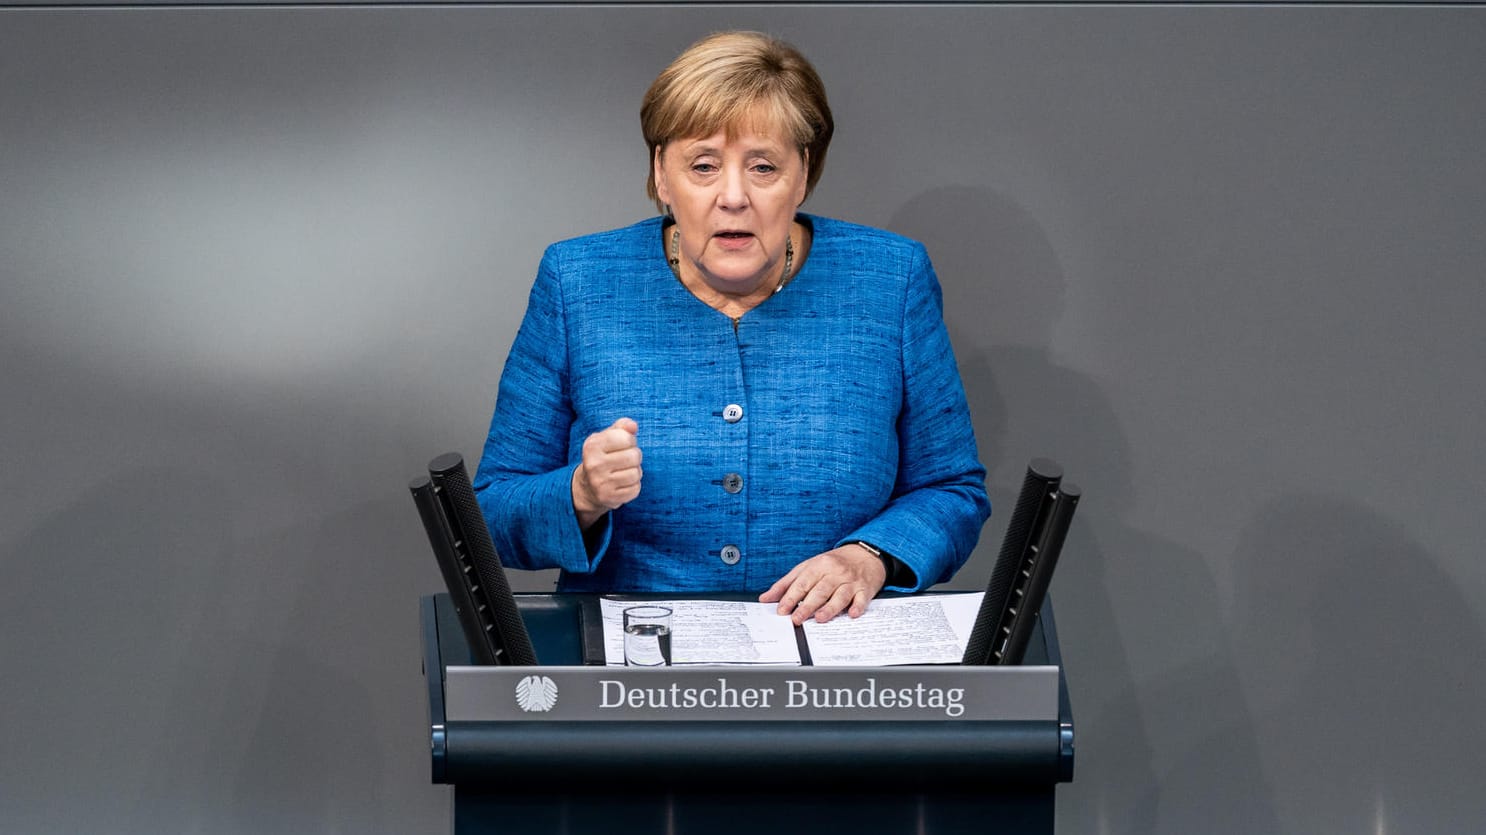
(213, 626)
(328, 683)
(1145, 650)
(99, 603)
(1362, 658)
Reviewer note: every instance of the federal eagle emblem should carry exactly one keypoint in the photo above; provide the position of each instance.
(536, 694)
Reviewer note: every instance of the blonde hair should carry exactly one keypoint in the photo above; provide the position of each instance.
(737, 81)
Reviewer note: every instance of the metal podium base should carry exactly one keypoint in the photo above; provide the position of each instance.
(741, 812)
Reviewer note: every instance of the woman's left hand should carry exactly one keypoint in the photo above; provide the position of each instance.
(843, 579)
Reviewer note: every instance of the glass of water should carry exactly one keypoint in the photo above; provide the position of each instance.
(647, 636)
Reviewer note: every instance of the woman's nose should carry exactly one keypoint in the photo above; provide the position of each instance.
(734, 193)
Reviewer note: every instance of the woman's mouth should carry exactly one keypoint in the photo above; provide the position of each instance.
(733, 239)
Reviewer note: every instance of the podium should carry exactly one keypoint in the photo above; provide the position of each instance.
(888, 770)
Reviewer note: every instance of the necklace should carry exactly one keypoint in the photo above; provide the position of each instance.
(784, 278)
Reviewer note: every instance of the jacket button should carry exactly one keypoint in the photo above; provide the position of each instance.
(730, 554)
(732, 413)
(732, 482)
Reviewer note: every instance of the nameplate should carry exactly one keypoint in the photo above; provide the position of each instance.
(732, 694)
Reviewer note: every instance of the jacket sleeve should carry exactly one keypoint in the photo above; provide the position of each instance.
(939, 502)
(524, 481)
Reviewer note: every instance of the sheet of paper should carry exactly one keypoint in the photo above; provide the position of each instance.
(923, 629)
(711, 632)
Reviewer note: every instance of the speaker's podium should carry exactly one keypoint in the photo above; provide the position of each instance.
(570, 748)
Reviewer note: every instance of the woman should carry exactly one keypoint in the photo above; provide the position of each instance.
(735, 396)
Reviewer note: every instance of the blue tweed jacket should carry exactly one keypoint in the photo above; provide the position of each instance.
(832, 412)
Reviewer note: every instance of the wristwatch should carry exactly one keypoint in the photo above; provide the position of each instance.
(890, 563)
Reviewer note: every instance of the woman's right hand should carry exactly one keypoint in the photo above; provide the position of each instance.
(609, 474)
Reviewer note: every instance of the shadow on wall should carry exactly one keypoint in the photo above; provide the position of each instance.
(100, 605)
(1363, 660)
(1149, 662)
(196, 652)
(222, 687)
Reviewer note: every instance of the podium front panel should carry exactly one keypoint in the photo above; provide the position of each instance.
(707, 775)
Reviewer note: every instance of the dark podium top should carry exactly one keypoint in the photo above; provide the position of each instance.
(796, 756)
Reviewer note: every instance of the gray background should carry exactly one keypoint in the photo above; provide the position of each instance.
(257, 266)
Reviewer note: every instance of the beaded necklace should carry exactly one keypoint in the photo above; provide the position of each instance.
(784, 278)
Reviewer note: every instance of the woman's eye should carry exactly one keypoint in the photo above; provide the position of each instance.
(703, 167)
(764, 168)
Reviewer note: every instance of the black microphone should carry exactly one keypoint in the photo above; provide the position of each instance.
(1029, 585)
(465, 591)
(1034, 506)
(472, 569)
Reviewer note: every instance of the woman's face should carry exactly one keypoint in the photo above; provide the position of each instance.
(734, 201)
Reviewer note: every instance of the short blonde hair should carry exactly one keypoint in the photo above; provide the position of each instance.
(733, 81)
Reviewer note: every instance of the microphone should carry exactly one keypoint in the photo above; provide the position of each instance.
(1029, 585)
(1019, 580)
(472, 570)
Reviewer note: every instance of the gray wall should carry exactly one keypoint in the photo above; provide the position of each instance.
(257, 266)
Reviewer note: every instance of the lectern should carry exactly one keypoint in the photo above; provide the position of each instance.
(718, 750)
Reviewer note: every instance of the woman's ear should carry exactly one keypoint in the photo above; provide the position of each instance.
(662, 188)
(804, 186)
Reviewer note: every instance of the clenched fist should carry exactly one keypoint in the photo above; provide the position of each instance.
(609, 474)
